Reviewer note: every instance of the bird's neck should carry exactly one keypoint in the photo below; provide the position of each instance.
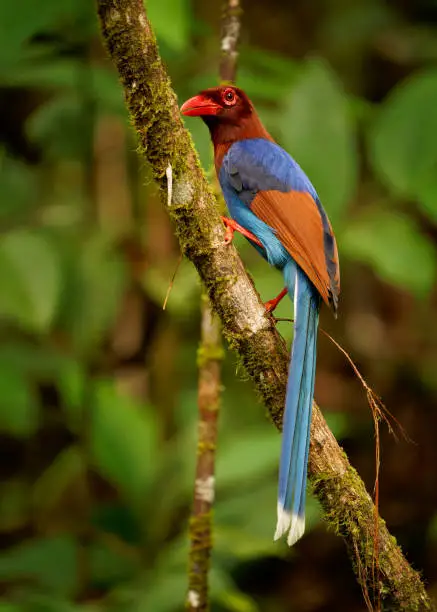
(224, 134)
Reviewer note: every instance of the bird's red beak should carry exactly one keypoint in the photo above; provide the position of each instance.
(200, 105)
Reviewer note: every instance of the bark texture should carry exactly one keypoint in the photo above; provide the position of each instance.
(210, 356)
(164, 142)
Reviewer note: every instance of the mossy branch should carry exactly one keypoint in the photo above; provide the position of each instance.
(164, 142)
(210, 356)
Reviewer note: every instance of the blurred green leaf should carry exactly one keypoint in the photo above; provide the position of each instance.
(248, 457)
(277, 72)
(236, 601)
(427, 196)
(50, 73)
(71, 383)
(185, 293)
(393, 245)
(338, 423)
(35, 602)
(17, 30)
(14, 32)
(14, 505)
(349, 29)
(318, 131)
(52, 564)
(111, 564)
(402, 142)
(49, 563)
(171, 21)
(202, 140)
(34, 361)
(117, 518)
(409, 44)
(93, 289)
(166, 589)
(61, 126)
(10, 607)
(124, 442)
(18, 185)
(67, 467)
(18, 406)
(30, 279)
(107, 91)
(163, 593)
(245, 520)
(61, 75)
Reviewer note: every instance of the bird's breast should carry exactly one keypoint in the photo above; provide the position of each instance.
(274, 251)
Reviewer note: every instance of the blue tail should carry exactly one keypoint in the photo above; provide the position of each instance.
(298, 406)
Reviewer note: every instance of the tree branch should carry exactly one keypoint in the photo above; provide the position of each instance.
(209, 358)
(230, 35)
(163, 141)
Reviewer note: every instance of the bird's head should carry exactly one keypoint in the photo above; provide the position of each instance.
(228, 113)
(225, 104)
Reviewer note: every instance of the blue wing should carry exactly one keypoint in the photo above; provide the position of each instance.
(257, 164)
(268, 193)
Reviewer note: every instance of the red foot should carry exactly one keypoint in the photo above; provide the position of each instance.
(271, 304)
(232, 226)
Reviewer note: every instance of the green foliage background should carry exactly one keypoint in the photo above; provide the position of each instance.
(98, 384)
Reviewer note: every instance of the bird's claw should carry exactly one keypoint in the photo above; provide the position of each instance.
(232, 227)
(229, 235)
(271, 304)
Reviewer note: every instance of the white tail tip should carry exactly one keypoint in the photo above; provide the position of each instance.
(291, 523)
(296, 530)
(283, 523)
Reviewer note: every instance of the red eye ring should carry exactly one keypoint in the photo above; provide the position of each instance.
(229, 97)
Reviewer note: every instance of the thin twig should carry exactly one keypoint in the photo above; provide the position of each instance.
(230, 35)
(171, 283)
(209, 359)
(379, 409)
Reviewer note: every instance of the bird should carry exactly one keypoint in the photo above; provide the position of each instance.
(272, 202)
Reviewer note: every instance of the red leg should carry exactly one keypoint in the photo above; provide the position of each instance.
(271, 304)
(232, 226)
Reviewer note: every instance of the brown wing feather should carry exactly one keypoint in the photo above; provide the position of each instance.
(297, 221)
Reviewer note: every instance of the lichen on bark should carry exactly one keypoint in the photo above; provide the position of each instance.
(163, 141)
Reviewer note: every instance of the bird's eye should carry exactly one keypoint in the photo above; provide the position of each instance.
(229, 96)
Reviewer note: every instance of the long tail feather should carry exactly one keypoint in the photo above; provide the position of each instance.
(298, 408)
